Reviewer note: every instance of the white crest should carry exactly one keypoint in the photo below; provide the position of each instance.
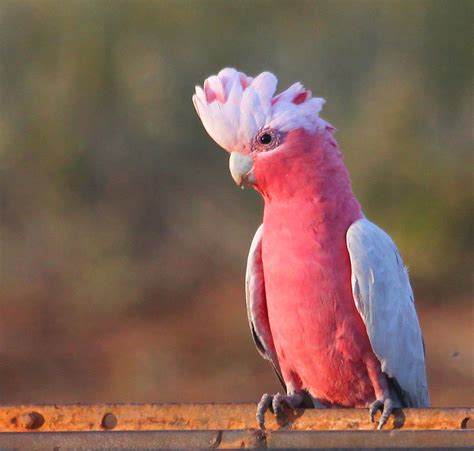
(234, 107)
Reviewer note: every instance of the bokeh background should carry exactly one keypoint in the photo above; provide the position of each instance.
(123, 237)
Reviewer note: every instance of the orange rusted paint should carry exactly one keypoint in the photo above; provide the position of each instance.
(158, 417)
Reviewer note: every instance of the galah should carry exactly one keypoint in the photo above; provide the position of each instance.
(329, 301)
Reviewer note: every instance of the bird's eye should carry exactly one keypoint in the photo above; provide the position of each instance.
(266, 139)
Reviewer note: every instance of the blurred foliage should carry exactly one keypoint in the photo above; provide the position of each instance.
(114, 202)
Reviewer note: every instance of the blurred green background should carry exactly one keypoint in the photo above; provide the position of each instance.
(123, 237)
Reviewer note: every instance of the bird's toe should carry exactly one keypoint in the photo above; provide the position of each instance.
(263, 406)
(385, 406)
(276, 402)
(386, 412)
(374, 407)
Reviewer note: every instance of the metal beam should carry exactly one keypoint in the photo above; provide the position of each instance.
(433, 440)
(205, 417)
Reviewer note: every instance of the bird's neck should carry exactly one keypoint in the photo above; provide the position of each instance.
(309, 181)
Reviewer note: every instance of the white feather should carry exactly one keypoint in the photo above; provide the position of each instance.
(384, 299)
(252, 114)
(257, 302)
(245, 105)
(265, 86)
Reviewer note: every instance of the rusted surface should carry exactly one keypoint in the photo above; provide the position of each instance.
(156, 417)
(29, 420)
(109, 421)
(361, 440)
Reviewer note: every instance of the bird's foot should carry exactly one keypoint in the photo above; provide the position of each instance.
(276, 402)
(385, 406)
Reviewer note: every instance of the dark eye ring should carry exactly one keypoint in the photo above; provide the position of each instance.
(267, 139)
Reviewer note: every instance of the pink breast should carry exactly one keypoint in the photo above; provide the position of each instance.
(318, 333)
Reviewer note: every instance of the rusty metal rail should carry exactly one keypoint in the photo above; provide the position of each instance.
(159, 417)
(228, 426)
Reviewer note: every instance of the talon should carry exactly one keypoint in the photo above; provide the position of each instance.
(374, 407)
(387, 411)
(275, 402)
(262, 407)
(385, 406)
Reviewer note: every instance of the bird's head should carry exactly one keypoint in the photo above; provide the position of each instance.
(261, 130)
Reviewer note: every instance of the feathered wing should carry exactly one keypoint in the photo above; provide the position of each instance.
(257, 304)
(384, 299)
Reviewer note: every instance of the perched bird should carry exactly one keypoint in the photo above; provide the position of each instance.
(328, 297)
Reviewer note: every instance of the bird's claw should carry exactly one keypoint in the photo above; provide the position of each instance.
(262, 407)
(385, 406)
(276, 402)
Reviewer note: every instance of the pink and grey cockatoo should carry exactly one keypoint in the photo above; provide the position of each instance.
(328, 297)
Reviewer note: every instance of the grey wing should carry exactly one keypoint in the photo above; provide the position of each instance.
(384, 299)
(257, 304)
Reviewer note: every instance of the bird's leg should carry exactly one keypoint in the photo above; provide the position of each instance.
(384, 402)
(276, 402)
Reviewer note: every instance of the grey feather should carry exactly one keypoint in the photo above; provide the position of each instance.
(384, 299)
(257, 304)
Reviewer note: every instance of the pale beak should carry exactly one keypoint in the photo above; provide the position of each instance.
(241, 168)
